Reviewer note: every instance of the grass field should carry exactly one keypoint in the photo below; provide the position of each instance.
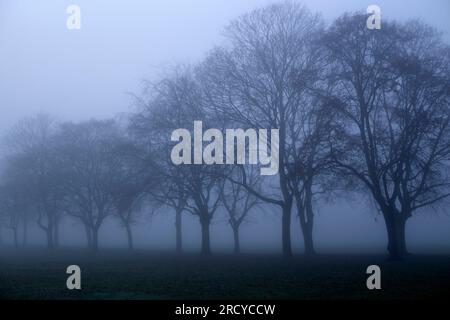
(116, 274)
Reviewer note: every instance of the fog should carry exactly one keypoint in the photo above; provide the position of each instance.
(91, 73)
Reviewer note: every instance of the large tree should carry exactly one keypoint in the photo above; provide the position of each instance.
(391, 93)
(259, 79)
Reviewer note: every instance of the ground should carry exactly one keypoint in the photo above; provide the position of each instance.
(117, 274)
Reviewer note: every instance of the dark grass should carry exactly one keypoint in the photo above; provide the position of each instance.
(116, 274)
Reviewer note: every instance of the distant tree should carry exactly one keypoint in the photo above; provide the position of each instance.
(160, 110)
(13, 205)
(176, 197)
(238, 202)
(86, 152)
(30, 147)
(390, 92)
(130, 183)
(172, 103)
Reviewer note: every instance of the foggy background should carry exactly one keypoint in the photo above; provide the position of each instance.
(88, 73)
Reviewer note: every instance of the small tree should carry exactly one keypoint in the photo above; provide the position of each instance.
(238, 202)
(13, 204)
(130, 182)
(172, 103)
(32, 161)
(86, 154)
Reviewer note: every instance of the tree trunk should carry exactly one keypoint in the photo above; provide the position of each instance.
(286, 230)
(179, 239)
(16, 239)
(308, 222)
(56, 234)
(401, 229)
(306, 225)
(206, 247)
(237, 245)
(88, 235)
(94, 239)
(307, 231)
(129, 236)
(25, 232)
(395, 227)
(50, 242)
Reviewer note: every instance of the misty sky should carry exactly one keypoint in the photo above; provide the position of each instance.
(86, 73)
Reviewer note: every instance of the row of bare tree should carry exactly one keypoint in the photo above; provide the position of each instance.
(357, 110)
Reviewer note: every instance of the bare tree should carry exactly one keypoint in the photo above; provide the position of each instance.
(171, 193)
(238, 202)
(31, 146)
(13, 204)
(163, 107)
(172, 103)
(259, 81)
(130, 182)
(391, 91)
(310, 162)
(86, 153)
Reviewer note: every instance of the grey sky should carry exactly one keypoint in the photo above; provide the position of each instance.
(86, 73)
(82, 74)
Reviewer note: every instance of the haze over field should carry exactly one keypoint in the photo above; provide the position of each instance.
(89, 73)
